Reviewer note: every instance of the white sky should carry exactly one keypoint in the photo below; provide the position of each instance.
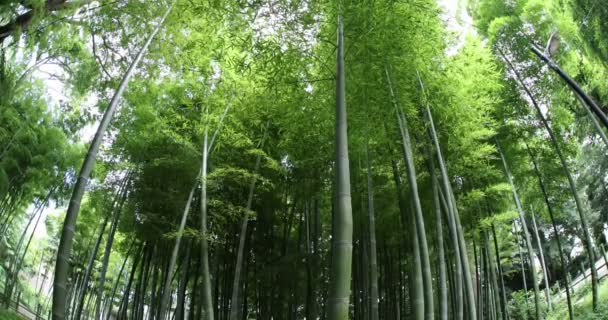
(457, 20)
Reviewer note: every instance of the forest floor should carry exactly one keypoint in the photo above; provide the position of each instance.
(581, 295)
(582, 305)
(24, 313)
(9, 315)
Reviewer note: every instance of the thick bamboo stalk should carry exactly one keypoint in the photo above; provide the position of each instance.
(573, 86)
(458, 300)
(67, 234)
(206, 287)
(183, 281)
(207, 298)
(416, 275)
(342, 237)
(464, 278)
(429, 307)
(441, 278)
(480, 279)
(595, 122)
(493, 278)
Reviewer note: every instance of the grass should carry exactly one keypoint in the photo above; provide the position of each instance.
(9, 315)
(582, 303)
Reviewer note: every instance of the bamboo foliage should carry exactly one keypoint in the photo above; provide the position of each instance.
(302, 208)
(563, 262)
(65, 245)
(571, 183)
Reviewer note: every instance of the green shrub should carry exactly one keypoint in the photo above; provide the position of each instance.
(9, 315)
(521, 307)
(582, 301)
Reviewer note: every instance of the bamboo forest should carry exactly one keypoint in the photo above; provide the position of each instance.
(303, 159)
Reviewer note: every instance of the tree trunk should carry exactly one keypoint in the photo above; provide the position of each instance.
(12, 275)
(493, 278)
(503, 304)
(450, 277)
(462, 268)
(181, 292)
(441, 278)
(110, 302)
(373, 265)
(579, 205)
(342, 226)
(574, 87)
(108, 250)
(140, 289)
(542, 261)
(164, 303)
(85, 279)
(235, 304)
(480, 292)
(527, 239)
(429, 307)
(415, 276)
(67, 235)
(154, 294)
(194, 299)
(311, 309)
(595, 122)
(563, 263)
(127, 293)
(21, 22)
(206, 287)
(523, 268)
(468, 282)
(604, 256)
(478, 285)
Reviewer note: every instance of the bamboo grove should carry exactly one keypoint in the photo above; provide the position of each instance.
(303, 159)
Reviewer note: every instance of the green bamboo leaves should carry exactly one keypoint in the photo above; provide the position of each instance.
(60, 284)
